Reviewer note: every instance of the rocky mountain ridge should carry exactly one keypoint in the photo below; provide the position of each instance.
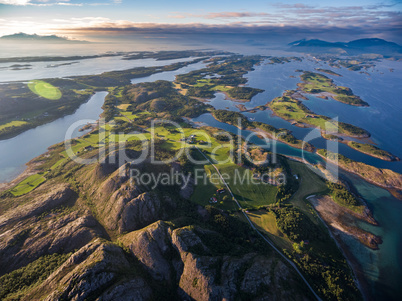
(129, 243)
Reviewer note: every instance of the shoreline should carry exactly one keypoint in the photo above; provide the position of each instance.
(30, 169)
(261, 131)
(258, 131)
(306, 125)
(389, 158)
(228, 97)
(31, 126)
(301, 85)
(354, 265)
(344, 220)
(393, 190)
(352, 262)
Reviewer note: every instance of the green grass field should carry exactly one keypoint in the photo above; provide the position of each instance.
(290, 108)
(58, 163)
(16, 123)
(266, 222)
(127, 116)
(309, 183)
(249, 192)
(27, 185)
(204, 190)
(316, 83)
(371, 150)
(211, 86)
(45, 89)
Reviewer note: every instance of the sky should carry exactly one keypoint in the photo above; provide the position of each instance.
(103, 19)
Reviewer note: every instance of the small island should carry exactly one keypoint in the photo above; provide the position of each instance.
(315, 83)
(342, 219)
(372, 150)
(327, 71)
(282, 135)
(19, 113)
(62, 64)
(379, 176)
(283, 60)
(226, 77)
(293, 110)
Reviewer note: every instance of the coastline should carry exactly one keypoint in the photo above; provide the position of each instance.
(390, 157)
(262, 132)
(30, 169)
(335, 96)
(352, 262)
(259, 131)
(306, 125)
(355, 266)
(342, 219)
(228, 97)
(29, 126)
(393, 190)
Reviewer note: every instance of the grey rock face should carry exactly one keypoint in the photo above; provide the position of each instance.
(26, 236)
(94, 271)
(176, 256)
(151, 246)
(133, 290)
(58, 196)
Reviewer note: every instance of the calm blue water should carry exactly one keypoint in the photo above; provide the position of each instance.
(169, 75)
(280, 147)
(221, 102)
(383, 267)
(17, 151)
(13, 152)
(84, 67)
(382, 90)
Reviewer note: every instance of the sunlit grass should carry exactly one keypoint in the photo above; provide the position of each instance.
(16, 123)
(27, 185)
(45, 89)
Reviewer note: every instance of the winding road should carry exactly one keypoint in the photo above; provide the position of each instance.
(259, 233)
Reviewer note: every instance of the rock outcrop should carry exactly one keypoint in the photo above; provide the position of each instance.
(96, 271)
(180, 256)
(125, 206)
(56, 197)
(31, 230)
(150, 259)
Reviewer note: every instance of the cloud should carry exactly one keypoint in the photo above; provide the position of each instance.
(68, 4)
(229, 15)
(219, 15)
(15, 2)
(296, 5)
(387, 27)
(369, 17)
(49, 3)
(284, 20)
(129, 26)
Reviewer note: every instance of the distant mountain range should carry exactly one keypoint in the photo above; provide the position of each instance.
(38, 38)
(353, 47)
